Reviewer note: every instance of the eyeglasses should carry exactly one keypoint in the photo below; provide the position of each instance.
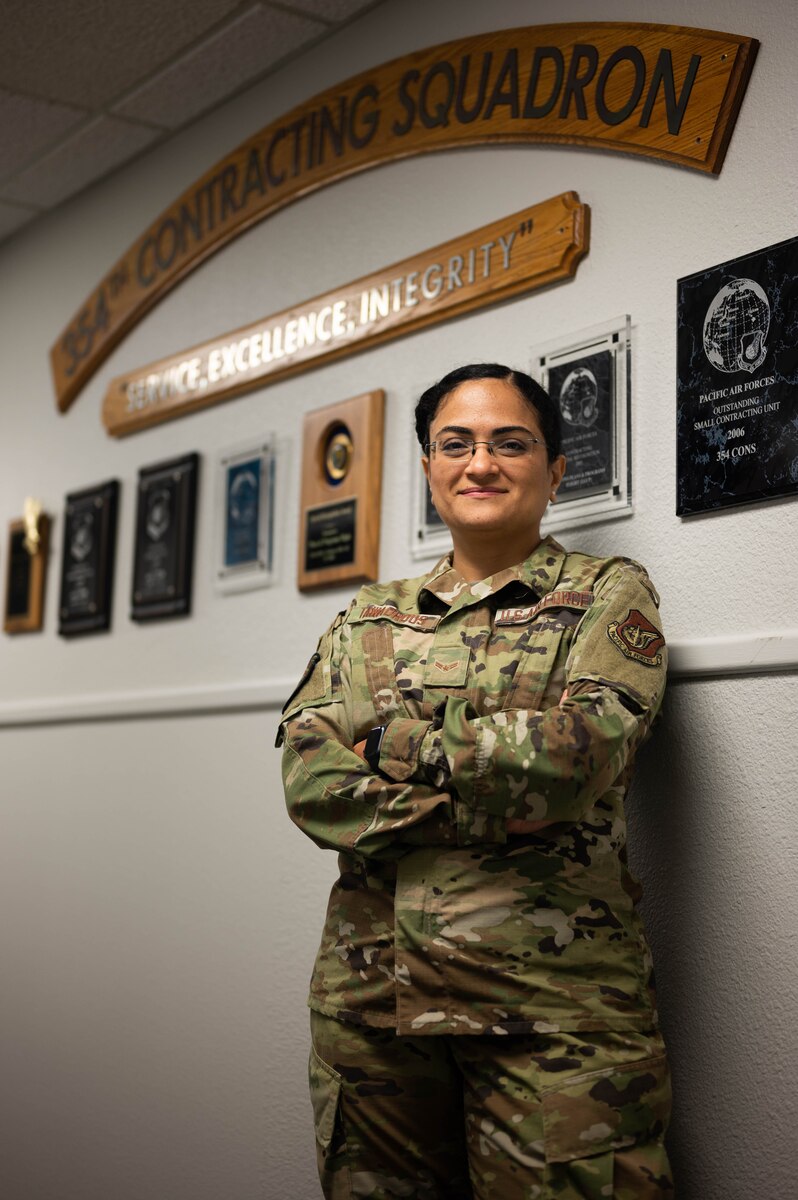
(506, 447)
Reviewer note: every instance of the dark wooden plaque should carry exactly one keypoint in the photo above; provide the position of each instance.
(87, 562)
(341, 489)
(164, 548)
(25, 578)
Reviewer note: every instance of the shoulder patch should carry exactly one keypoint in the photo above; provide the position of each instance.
(637, 638)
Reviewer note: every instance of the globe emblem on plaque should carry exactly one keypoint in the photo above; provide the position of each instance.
(158, 514)
(82, 538)
(244, 498)
(579, 398)
(736, 327)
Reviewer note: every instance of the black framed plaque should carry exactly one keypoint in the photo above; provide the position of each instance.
(737, 381)
(87, 561)
(164, 548)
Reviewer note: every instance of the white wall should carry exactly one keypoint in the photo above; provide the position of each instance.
(160, 913)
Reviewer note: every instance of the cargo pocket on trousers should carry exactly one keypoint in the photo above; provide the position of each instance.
(325, 1097)
(589, 1118)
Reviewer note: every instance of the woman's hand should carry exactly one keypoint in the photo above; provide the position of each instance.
(515, 825)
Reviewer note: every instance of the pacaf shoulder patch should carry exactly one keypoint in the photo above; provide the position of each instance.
(637, 638)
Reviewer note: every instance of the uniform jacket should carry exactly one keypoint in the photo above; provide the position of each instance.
(440, 921)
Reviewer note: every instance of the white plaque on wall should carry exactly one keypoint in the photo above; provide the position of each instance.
(244, 516)
(588, 374)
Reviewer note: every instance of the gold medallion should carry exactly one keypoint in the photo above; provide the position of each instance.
(338, 455)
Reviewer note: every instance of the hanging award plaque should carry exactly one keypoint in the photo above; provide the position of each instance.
(26, 570)
(87, 563)
(341, 489)
(737, 381)
(430, 537)
(244, 516)
(164, 548)
(587, 374)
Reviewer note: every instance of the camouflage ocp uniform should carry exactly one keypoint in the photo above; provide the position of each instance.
(441, 922)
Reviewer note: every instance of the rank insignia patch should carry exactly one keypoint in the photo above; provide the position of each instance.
(637, 638)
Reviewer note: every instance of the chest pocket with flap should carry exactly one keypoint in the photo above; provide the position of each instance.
(447, 660)
(407, 662)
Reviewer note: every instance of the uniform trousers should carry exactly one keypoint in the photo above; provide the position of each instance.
(517, 1117)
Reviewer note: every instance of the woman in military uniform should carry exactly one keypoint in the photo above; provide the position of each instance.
(482, 1017)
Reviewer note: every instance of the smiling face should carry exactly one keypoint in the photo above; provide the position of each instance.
(484, 495)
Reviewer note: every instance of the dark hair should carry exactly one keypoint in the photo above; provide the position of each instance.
(546, 410)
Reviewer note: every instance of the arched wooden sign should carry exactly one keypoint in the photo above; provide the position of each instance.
(659, 90)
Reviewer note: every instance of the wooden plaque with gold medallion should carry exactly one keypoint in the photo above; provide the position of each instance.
(341, 489)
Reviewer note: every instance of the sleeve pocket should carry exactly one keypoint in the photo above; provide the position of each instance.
(325, 1092)
(319, 682)
(606, 1110)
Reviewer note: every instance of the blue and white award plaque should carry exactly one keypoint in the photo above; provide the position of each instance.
(245, 521)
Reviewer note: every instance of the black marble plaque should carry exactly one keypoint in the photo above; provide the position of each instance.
(164, 548)
(737, 381)
(330, 535)
(585, 390)
(87, 563)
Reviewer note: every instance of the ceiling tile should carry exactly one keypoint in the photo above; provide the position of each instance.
(331, 10)
(87, 52)
(27, 127)
(155, 64)
(13, 217)
(95, 150)
(225, 62)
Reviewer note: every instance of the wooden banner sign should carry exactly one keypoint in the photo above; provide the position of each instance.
(664, 91)
(532, 248)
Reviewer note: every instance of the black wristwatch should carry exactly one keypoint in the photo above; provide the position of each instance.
(373, 746)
